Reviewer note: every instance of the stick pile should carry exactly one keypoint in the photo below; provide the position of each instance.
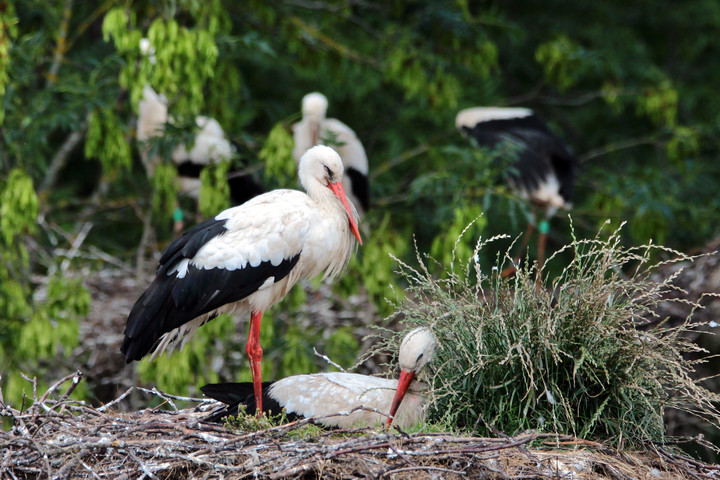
(58, 438)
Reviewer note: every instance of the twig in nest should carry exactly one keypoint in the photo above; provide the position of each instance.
(324, 357)
(411, 469)
(164, 395)
(86, 467)
(144, 467)
(34, 384)
(116, 401)
(295, 471)
(76, 376)
(168, 398)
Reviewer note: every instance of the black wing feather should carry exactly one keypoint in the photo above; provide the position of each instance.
(360, 186)
(243, 187)
(170, 301)
(236, 394)
(188, 244)
(541, 151)
(190, 169)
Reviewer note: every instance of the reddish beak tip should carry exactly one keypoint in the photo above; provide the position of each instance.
(339, 192)
(404, 381)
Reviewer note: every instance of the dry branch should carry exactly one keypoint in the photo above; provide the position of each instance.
(57, 437)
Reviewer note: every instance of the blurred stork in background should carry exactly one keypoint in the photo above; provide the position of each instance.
(210, 146)
(316, 129)
(543, 173)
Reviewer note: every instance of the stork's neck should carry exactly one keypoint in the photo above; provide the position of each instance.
(152, 115)
(334, 228)
(325, 198)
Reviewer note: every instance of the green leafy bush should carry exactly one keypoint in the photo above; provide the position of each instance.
(583, 355)
(39, 322)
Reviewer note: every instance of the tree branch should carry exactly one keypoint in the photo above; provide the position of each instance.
(60, 159)
(61, 45)
(614, 147)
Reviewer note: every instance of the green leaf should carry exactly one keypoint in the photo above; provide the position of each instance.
(214, 189)
(276, 154)
(18, 207)
(562, 61)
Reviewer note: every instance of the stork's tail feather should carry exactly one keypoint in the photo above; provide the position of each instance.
(236, 394)
(142, 333)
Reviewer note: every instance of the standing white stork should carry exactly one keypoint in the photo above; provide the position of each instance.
(316, 129)
(247, 258)
(326, 394)
(544, 171)
(210, 146)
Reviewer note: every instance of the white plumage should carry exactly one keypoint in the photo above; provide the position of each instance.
(247, 258)
(210, 146)
(472, 116)
(327, 394)
(316, 129)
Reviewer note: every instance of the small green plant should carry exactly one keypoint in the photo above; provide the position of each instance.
(583, 355)
(305, 432)
(276, 155)
(214, 189)
(246, 422)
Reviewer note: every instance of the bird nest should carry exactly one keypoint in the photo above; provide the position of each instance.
(58, 437)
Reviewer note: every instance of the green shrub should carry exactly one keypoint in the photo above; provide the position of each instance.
(581, 355)
(39, 326)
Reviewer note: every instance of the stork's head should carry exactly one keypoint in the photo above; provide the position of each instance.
(323, 165)
(416, 350)
(314, 107)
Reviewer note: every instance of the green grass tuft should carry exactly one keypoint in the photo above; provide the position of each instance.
(584, 355)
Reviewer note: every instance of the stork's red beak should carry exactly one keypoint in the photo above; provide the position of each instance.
(339, 192)
(403, 384)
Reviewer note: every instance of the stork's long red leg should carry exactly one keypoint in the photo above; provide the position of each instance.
(254, 353)
(509, 271)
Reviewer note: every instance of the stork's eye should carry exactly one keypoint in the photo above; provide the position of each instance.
(419, 357)
(329, 172)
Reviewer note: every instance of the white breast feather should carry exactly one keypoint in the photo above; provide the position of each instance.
(548, 191)
(209, 127)
(268, 282)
